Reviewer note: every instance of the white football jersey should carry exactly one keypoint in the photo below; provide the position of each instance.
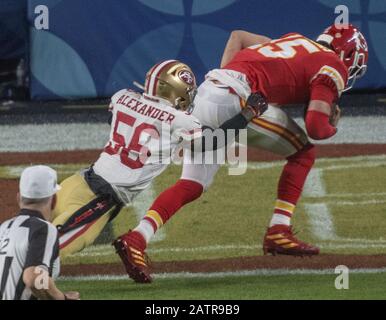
(145, 133)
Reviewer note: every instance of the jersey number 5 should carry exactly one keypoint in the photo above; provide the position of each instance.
(286, 49)
(132, 154)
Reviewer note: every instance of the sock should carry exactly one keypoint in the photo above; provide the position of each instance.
(282, 213)
(166, 205)
(291, 184)
(146, 229)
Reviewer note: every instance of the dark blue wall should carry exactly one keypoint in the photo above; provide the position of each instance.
(13, 29)
(96, 47)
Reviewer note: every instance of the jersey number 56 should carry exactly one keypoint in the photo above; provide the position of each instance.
(132, 153)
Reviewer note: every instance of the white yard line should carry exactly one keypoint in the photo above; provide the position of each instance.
(348, 203)
(314, 186)
(96, 251)
(380, 241)
(361, 162)
(320, 220)
(319, 214)
(337, 243)
(246, 273)
(264, 165)
(369, 164)
(208, 248)
(356, 245)
(348, 195)
(320, 217)
(358, 203)
(380, 157)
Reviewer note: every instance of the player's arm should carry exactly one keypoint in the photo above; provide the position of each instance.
(321, 119)
(323, 114)
(239, 40)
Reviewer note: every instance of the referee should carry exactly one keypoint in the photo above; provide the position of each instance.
(29, 246)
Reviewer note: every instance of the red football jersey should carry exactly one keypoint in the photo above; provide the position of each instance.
(292, 69)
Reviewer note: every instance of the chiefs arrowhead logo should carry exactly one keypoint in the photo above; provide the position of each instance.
(186, 76)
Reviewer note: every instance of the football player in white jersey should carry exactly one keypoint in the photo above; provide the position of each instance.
(146, 130)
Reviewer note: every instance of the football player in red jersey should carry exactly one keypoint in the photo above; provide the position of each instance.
(290, 70)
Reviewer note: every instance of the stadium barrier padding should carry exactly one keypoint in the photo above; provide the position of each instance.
(96, 47)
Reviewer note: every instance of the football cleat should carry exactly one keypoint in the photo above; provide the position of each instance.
(280, 239)
(131, 251)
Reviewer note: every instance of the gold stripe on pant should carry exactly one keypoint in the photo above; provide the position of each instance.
(76, 193)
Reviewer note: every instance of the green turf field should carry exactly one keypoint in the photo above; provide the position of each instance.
(361, 286)
(342, 211)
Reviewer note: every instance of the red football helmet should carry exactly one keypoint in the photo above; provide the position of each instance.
(351, 46)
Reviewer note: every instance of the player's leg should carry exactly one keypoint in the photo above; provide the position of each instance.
(80, 215)
(278, 133)
(132, 245)
(215, 104)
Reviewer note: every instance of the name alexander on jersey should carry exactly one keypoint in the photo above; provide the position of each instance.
(145, 109)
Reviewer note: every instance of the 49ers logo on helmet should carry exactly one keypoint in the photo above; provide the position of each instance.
(186, 76)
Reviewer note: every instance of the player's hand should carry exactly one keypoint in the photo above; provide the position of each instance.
(72, 295)
(257, 105)
(335, 116)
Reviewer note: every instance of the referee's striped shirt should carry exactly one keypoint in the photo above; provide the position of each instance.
(26, 241)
